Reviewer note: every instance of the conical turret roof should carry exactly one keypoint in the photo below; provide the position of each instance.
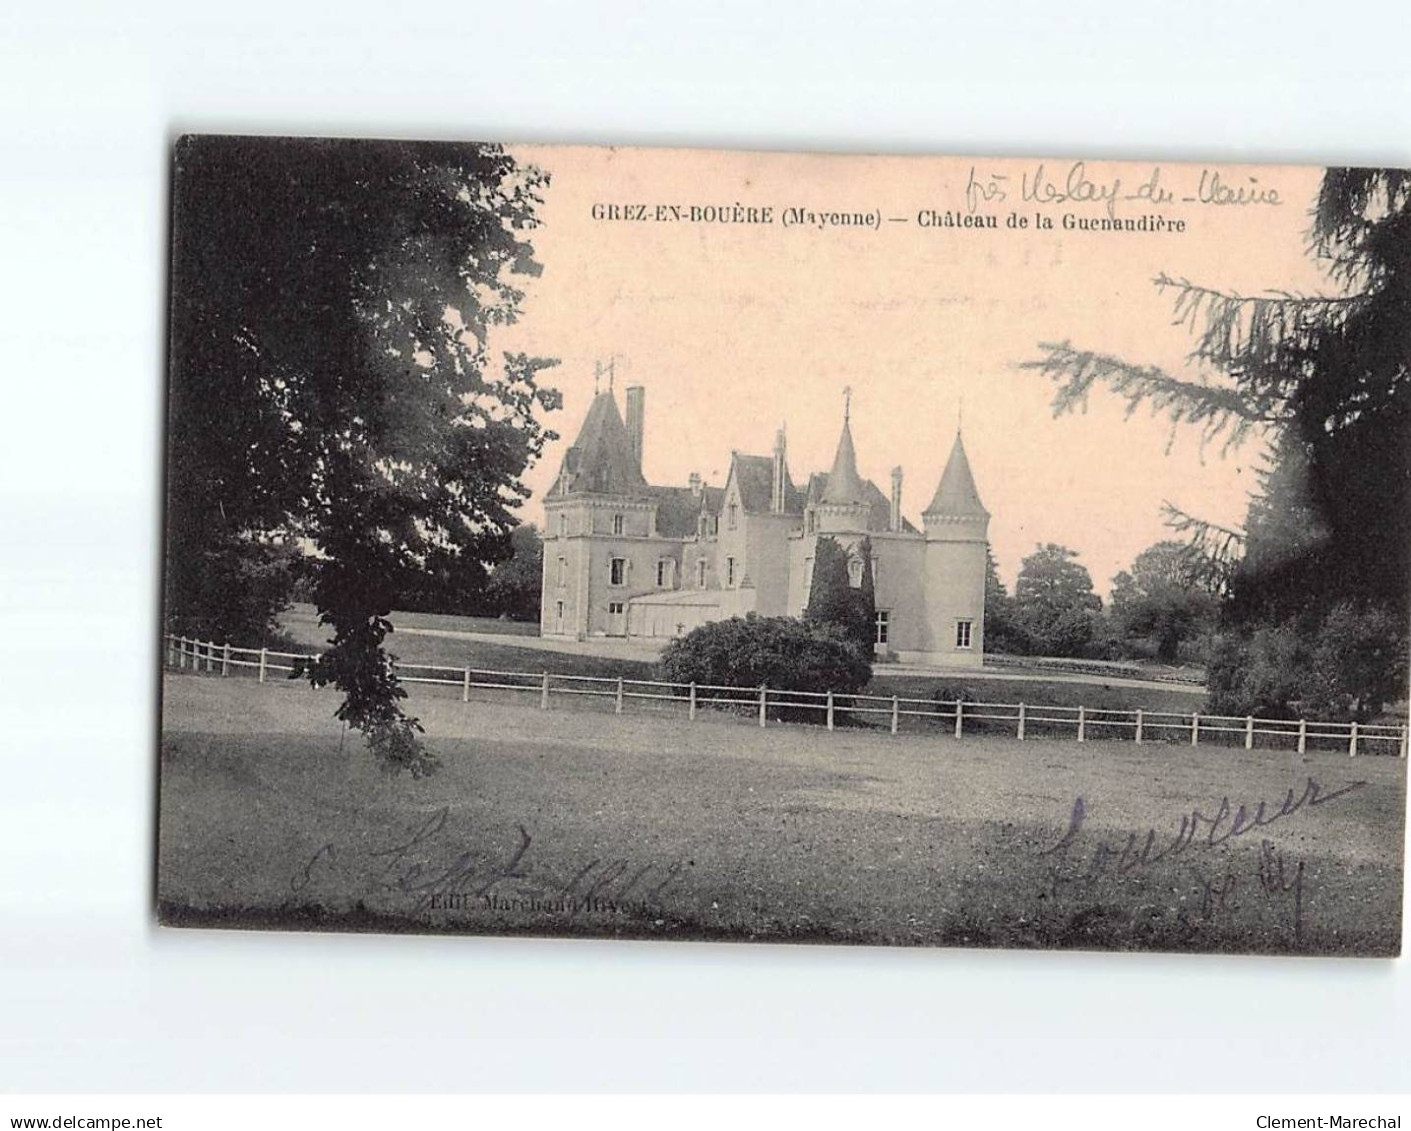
(601, 459)
(956, 493)
(844, 483)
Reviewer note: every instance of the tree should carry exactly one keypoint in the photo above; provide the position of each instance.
(1327, 380)
(332, 385)
(1164, 597)
(1055, 606)
(832, 598)
(1002, 631)
(516, 585)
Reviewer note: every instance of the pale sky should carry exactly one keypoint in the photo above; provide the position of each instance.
(734, 329)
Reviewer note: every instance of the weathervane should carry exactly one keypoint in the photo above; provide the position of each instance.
(599, 369)
(847, 403)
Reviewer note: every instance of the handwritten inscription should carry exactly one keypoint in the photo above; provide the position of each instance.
(1073, 185)
(437, 873)
(1275, 876)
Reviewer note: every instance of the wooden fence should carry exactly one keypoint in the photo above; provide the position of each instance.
(1019, 720)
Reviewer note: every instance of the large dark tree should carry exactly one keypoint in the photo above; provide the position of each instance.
(332, 386)
(1165, 596)
(834, 600)
(1055, 607)
(1327, 380)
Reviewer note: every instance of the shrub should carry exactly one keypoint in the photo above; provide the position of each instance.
(1347, 666)
(778, 652)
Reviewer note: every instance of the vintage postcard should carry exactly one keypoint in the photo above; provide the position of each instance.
(669, 544)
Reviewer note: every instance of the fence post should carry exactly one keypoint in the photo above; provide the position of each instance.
(1352, 742)
(264, 663)
(617, 705)
(1139, 726)
(544, 693)
(210, 656)
(1082, 724)
(763, 702)
(896, 712)
(1195, 728)
(225, 659)
(181, 652)
(1249, 732)
(830, 710)
(691, 713)
(1302, 736)
(465, 686)
(959, 717)
(1021, 722)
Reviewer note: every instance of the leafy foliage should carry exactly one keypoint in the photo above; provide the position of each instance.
(778, 652)
(516, 585)
(1346, 665)
(1002, 631)
(1055, 608)
(1164, 596)
(332, 384)
(834, 600)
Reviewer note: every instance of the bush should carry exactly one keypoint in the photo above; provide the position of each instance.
(777, 652)
(1347, 666)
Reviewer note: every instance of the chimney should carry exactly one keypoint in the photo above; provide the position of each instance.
(776, 499)
(896, 499)
(636, 412)
(695, 482)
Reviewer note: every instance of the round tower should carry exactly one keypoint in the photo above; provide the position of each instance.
(957, 531)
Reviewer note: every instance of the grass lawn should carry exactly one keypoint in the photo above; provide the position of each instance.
(301, 623)
(642, 825)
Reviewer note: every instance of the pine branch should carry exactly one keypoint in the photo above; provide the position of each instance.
(1215, 410)
(1265, 342)
(1216, 549)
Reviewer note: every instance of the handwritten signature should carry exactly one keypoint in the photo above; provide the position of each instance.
(436, 872)
(1197, 830)
(1075, 186)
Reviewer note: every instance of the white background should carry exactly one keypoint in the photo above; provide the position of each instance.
(93, 997)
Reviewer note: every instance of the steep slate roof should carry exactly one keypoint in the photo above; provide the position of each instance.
(601, 459)
(844, 483)
(756, 477)
(879, 515)
(677, 510)
(956, 493)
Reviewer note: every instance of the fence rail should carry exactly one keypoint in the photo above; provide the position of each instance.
(1019, 719)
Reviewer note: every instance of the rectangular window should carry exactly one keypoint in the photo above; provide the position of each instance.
(558, 616)
(664, 573)
(962, 633)
(618, 524)
(563, 571)
(734, 516)
(883, 623)
(617, 573)
(730, 573)
(616, 608)
(701, 574)
(563, 526)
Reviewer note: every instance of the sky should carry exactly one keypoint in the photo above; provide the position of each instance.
(737, 329)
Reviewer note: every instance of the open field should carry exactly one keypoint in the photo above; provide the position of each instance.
(581, 822)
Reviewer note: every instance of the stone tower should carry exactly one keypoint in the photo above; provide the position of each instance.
(957, 530)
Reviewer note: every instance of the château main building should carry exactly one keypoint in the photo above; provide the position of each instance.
(623, 557)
